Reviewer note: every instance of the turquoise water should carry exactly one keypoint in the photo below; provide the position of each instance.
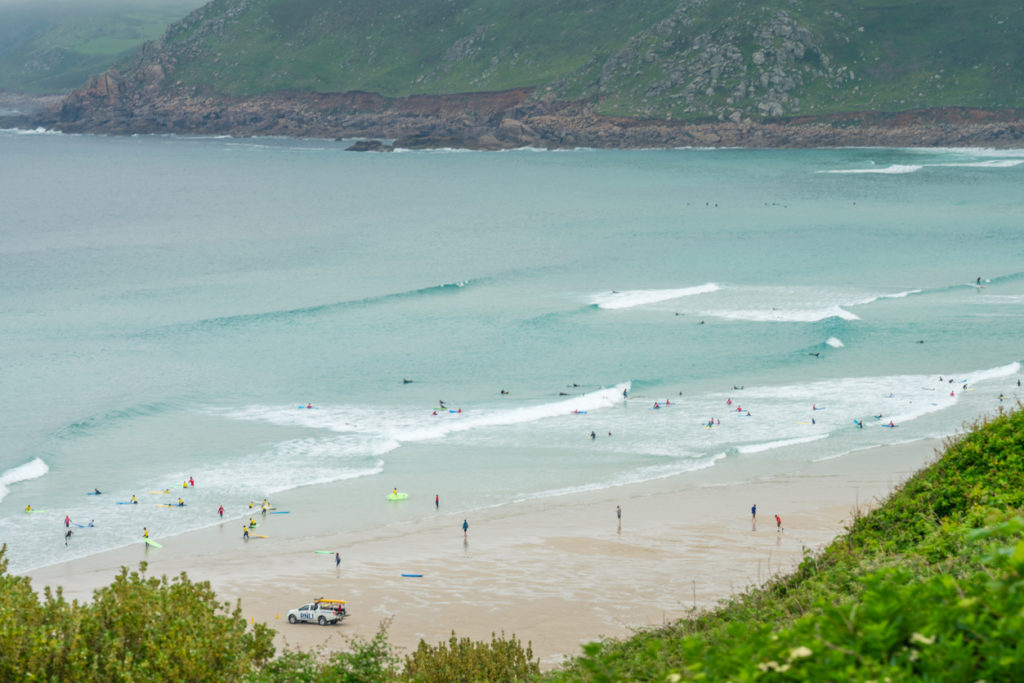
(168, 304)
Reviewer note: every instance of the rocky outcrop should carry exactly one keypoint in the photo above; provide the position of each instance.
(500, 120)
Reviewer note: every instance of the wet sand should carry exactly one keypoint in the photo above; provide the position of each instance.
(557, 572)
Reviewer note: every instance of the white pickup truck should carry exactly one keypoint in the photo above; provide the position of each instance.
(320, 611)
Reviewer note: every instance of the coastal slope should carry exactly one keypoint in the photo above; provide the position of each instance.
(605, 73)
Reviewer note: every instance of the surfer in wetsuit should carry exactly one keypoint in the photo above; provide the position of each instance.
(97, 491)
(181, 503)
(135, 501)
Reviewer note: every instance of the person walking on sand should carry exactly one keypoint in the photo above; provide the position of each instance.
(337, 559)
(437, 501)
(465, 528)
(753, 512)
(778, 522)
(220, 511)
(618, 513)
(145, 533)
(245, 533)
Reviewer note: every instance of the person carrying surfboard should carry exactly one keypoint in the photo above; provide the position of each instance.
(145, 532)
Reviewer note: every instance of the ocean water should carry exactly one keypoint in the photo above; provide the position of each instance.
(170, 305)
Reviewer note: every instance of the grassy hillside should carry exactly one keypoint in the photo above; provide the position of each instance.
(682, 59)
(53, 46)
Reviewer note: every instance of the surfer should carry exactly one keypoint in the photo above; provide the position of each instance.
(220, 511)
(92, 522)
(406, 381)
(28, 508)
(96, 492)
(593, 436)
(191, 482)
(145, 532)
(309, 406)
(978, 281)
(465, 528)
(778, 522)
(504, 393)
(441, 403)
(181, 503)
(245, 532)
(625, 394)
(135, 501)
(67, 521)
(394, 492)
(67, 536)
(891, 423)
(860, 425)
(252, 523)
(337, 559)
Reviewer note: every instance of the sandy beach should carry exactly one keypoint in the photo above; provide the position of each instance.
(556, 572)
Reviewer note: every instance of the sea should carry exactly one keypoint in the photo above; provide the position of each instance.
(266, 316)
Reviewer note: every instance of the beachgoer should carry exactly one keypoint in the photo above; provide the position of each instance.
(618, 512)
(753, 512)
(145, 532)
(465, 527)
(191, 482)
(251, 505)
(437, 501)
(778, 522)
(245, 532)
(97, 491)
(67, 521)
(181, 503)
(220, 511)
(67, 536)
(593, 435)
(337, 559)
(135, 501)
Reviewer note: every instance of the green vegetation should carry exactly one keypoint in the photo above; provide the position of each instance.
(677, 59)
(926, 587)
(54, 46)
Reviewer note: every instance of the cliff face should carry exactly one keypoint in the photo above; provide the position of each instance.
(501, 120)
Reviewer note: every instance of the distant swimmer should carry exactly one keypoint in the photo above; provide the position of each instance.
(728, 402)
(593, 436)
(816, 354)
(504, 393)
(406, 381)
(860, 425)
(625, 393)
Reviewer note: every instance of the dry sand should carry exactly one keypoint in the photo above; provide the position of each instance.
(556, 572)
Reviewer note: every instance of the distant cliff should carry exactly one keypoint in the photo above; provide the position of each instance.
(608, 73)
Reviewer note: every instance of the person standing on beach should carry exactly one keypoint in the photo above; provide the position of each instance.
(753, 512)
(337, 559)
(437, 502)
(465, 528)
(778, 522)
(618, 513)
(220, 511)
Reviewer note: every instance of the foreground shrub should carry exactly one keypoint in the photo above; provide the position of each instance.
(461, 659)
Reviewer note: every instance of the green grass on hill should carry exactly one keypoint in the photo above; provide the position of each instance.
(680, 59)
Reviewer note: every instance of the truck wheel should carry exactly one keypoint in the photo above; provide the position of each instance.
(322, 620)
(292, 619)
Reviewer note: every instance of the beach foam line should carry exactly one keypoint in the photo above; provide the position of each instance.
(782, 443)
(33, 469)
(641, 297)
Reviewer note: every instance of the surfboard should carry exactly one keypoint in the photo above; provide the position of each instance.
(125, 502)
(32, 511)
(94, 493)
(167, 491)
(151, 542)
(324, 552)
(281, 512)
(412, 575)
(401, 495)
(258, 536)
(83, 526)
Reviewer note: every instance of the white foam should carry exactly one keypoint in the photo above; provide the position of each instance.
(834, 342)
(641, 297)
(785, 315)
(992, 373)
(993, 163)
(31, 470)
(771, 445)
(895, 169)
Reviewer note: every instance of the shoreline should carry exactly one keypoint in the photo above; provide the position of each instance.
(557, 572)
